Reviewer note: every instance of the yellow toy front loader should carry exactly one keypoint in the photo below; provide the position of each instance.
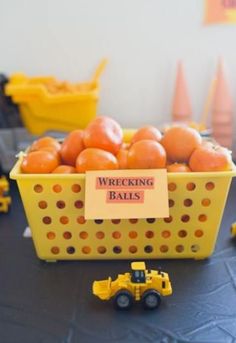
(140, 284)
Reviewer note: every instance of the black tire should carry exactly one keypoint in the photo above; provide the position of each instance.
(123, 300)
(151, 299)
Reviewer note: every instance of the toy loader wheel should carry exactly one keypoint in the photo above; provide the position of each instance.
(123, 300)
(151, 299)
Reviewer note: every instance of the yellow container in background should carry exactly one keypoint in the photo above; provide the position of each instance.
(44, 108)
(54, 206)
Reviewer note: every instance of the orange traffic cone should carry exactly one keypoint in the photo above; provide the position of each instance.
(181, 107)
(222, 110)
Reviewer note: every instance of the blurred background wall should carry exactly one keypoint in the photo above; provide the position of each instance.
(143, 39)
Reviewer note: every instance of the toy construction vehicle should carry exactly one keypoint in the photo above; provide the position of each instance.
(5, 199)
(233, 229)
(141, 284)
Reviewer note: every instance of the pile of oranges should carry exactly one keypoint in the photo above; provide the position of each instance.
(101, 147)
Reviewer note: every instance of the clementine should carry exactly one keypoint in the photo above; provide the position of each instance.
(147, 132)
(45, 142)
(64, 169)
(122, 158)
(39, 162)
(178, 168)
(95, 159)
(103, 133)
(146, 154)
(52, 150)
(179, 143)
(210, 157)
(72, 147)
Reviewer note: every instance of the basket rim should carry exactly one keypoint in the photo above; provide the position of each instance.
(15, 173)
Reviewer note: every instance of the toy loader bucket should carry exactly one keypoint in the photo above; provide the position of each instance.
(102, 289)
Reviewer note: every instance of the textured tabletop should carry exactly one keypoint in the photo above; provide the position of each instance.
(52, 302)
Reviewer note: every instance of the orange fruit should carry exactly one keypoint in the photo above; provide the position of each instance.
(39, 162)
(179, 143)
(53, 150)
(72, 147)
(95, 159)
(125, 146)
(122, 158)
(147, 132)
(103, 133)
(146, 154)
(210, 157)
(178, 168)
(64, 169)
(45, 142)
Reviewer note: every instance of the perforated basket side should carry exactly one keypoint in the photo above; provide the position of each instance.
(54, 207)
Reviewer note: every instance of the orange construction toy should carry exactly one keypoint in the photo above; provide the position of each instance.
(181, 107)
(222, 110)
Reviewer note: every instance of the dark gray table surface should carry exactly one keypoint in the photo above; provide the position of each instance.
(52, 302)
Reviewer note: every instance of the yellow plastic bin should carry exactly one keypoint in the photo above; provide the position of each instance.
(44, 107)
(54, 205)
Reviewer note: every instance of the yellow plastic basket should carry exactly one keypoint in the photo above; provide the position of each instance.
(54, 205)
(42, 111)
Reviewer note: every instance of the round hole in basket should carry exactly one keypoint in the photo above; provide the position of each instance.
(210, 186)
(198, 233)
(100, 235)
(117, 249)
(133, 249)
(202, 217)
(182, 233)
(185, 218)
(171, 203)
(164, 248)
(64, 220)
(188, 202)
(116, 234)
(60, 204)
(79, 204)
(206, 202)
(148, 249)
(150, 220)
(98, 221)
(195, 248)
(86, 250)
(101, 250)
(67, 235)
(115, 221)
(172, 186)
(179, 248)
(133, 220)
(83, 235)
(42, 204)
(149, 234)
(76, 188)
(70, 250)
(57, 188)
(133, 234)
(191, 186)
(55, 250)
(51, 235)
(47, 220)
(81, 220)
(168, 219)
(38, 188)
(166, 234)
